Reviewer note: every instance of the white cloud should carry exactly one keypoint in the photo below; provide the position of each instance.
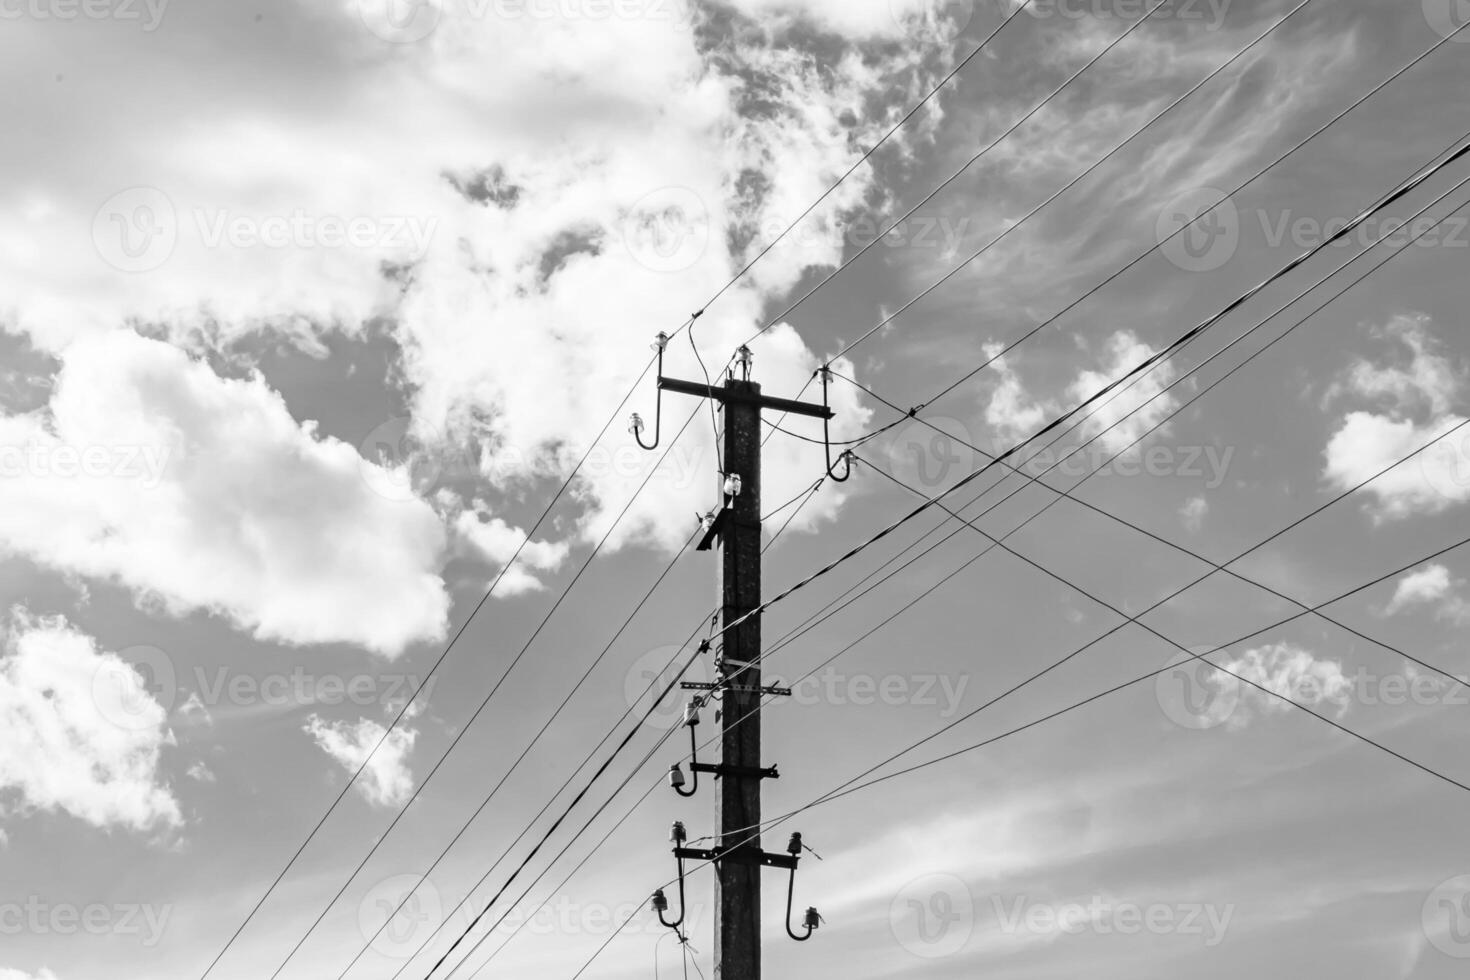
(1193, 512)
(204, 494)
(496, 542)
(1416, 401)
(574, 143)
(1126, 404)
(82, 733)
(6, 974)
(1430, 586)
(387, 780)
(201, 773)
(1011, 412)
(1289, 671)
(1428, 381)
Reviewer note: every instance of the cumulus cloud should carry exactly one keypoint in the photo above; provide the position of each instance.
(1430, 586)
(83, 735)
(1285, 669)
(1413, 404)
(200, 493)
(1011, 412)
(387, 780)
(493, 540)
(522, 203)
(1193, 512)
(1128, 406)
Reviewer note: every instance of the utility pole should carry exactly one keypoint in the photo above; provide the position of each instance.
(738, 857)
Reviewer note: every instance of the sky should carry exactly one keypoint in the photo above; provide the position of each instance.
(308, 309)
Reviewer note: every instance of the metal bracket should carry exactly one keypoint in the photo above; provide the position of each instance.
(720, 771)
(775, 692)
(744, 854)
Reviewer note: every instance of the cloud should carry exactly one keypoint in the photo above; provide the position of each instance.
(1430, 586)
(535, 204)
(494, 541)
(1288, 670)
(1126, 404)
(83, 735)
(1193, 513)
(1414, 409)
(387, 781)
(6, 974)
(1011, 412)
(200, 493)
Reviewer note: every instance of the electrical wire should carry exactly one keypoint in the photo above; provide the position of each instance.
(963, 169)
(1145, 365)
(296, 855)
(729, 284)
(1130, 446)
(596, 661)
(1232, 371)
(570, 778)
(465, 728)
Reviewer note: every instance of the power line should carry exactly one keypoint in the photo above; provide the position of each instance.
(439, 661)
(962, 170)
(1143, 366)
(1144, 435)
(570, 778)
(1127, 448)
(464, 729)
(847, 788)
(549, 721)
(740, 274)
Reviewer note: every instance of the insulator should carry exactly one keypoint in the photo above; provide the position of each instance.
(676, 776)
(745, 358)
(660, 342)
(794, 845)
(660, 903)
(691, 712)
(635, 424)
(732, 485)
(678, 834)
(812, 920)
